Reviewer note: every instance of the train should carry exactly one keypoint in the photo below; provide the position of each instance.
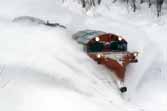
(108, 49)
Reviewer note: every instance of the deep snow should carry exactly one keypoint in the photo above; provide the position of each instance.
(42, 68)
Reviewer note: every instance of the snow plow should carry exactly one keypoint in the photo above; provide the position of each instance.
(109, 50)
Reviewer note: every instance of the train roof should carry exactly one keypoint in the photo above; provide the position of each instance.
(85, 36)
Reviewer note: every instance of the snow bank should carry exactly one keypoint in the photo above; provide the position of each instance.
(43, 69)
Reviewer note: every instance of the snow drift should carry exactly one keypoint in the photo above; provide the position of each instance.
(42, 68)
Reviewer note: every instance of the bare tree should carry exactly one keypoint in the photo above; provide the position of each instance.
(134, 5)
(99, 2)
(141, 1)
(149, 3)
(83, 2)
(90, 3)
(159, 4)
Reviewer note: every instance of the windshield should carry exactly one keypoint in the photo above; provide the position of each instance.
(118, 46)
(112, 46)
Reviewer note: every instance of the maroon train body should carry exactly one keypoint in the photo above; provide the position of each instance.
(115, 60)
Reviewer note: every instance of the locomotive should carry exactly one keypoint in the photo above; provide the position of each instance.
(109, 50)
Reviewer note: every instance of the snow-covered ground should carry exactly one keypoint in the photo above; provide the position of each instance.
(42, 68)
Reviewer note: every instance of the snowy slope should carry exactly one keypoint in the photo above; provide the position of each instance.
(43, 69)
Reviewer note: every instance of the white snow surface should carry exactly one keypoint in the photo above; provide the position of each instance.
(43, 69)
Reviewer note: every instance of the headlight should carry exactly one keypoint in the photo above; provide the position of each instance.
(97, 39)
(135, 54)
(98, 56)
(120, 38)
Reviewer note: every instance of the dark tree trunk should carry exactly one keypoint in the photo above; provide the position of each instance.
(159, 6)
(141, 1)
(83, 2)
(93, 3)
(134, 5)
(99, 2)
(149, 3)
